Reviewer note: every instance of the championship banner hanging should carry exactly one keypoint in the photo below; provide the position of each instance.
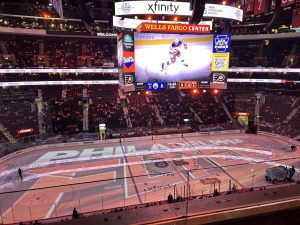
(285, 3)
(259, 6)
(57, 4)
(296, 18)
(173, 28)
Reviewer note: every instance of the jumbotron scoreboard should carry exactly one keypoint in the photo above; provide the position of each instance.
(171, 56)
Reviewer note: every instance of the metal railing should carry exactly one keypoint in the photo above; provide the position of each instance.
(148, 193)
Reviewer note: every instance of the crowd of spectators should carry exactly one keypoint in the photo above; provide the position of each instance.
(173, 109)
(18, 111)
(47, 52)
(14, 77)
(276, 108)
(67, 114)
(63, 108)
(266, 53)
(51, 25)
(208, 108)
(100, 102)
(141, 111)
(275, 112)
(105, 107)
(43, 52)
(239, 102)
(258, 29)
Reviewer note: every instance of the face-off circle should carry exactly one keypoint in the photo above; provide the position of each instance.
(161, 164)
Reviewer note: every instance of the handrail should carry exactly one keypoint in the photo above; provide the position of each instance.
(149, 204)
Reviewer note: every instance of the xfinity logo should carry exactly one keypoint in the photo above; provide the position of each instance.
(128, 61)
(156, 7)
(218, 77)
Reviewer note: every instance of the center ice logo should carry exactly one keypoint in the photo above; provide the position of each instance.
(128, 61)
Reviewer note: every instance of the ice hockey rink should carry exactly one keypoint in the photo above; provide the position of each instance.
(116, 173)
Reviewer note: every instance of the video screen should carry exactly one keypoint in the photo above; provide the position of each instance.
(172, 57)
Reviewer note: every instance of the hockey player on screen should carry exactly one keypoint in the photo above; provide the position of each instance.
(175, 52)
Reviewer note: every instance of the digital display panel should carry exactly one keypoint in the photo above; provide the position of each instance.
(163, 57)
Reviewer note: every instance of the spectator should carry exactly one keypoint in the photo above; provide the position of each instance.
(216, 193)
(75, 214)
(170, 198)
(20, 174)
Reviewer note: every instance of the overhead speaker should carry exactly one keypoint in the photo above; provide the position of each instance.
(198, 7)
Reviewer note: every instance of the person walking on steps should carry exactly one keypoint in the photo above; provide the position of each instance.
(20, 174)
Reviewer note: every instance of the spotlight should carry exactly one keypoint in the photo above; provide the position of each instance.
(223, 2)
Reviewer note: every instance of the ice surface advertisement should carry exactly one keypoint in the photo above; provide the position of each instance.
(172, 57)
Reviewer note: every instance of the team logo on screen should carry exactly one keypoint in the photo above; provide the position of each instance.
(128, 41)
(218, 77)
(156, 86)
(128, 38)
(221, 43)
(128, 61)
(128, 78)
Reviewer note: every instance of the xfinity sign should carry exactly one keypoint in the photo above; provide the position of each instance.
(175, 8)
(152, 7)
(157, 8)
